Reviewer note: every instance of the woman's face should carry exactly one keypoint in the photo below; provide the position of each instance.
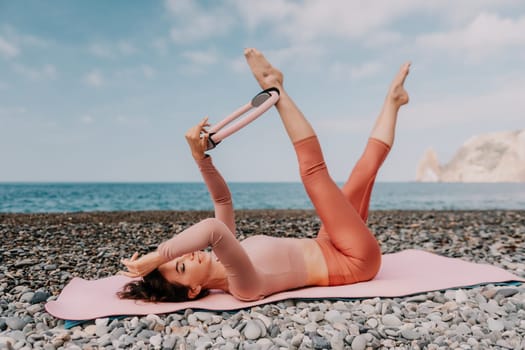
(190, 270)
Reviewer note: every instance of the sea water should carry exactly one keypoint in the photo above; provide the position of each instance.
(85, 197)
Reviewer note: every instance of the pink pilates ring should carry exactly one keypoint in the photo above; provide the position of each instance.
(261, 102)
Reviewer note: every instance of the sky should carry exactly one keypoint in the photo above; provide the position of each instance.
(103, 91)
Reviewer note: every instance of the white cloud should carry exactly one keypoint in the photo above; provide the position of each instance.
(314, 19)
(504, 103)
(148, 71)
(369, 22)
(47, 71)
(201, 58)
(486, 34)
(382, 39)
(87, 119)
(94, 78)
(255, 13)
(112, 50)
(195, 23)
(8, 49)
(345, 125)
(102, 51)
(12, 111)
(126, 48)
(239, 65)
(160, 45)
(12, 42)
(365, 70)
(307, 52)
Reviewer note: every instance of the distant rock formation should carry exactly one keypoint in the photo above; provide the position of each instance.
(494, 157)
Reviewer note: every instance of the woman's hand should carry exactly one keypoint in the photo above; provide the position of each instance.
(197, 138)
(139, 267)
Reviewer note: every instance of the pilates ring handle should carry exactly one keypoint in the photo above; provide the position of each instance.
(261, 102)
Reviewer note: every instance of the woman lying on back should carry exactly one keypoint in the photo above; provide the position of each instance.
(344, 252)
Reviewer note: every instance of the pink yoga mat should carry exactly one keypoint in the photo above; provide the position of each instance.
(404, 273)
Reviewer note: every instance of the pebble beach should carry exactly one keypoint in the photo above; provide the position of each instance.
(41, 253)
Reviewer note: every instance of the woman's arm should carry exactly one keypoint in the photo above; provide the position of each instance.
(197, 139)
(243, 279)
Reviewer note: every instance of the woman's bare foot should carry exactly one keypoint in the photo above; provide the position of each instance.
(397, 94)
(266, 75)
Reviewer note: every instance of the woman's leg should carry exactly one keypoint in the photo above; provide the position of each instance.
(347, 231)
(358, 187)
(267, 76)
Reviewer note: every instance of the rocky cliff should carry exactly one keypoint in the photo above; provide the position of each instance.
(494, 157)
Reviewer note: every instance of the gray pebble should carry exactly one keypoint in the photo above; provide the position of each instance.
(297, 340)
(26, 297)
(50, 267)
(18, 336)
(101, 329)
(460, 296)
(128, 340)
(6, 342)
(333, 316)
(203, 316)
(251, 346)
(311, 327)
(265, 343)
(417, 298)
(146, 334)
(281, 342)
(39, 297)
(492, 307)
(252, 331)
(300, 320)
(156, 340)
(391, 321)
(319, 342)
(117, 332)
(359, 342)
(495, 325)
(33, 309)
(229, 332)
(463, 329)
(274, 331)
(3, 325)
(102, 321)
(169, 342)
(315, 316)
(372, 323)
(507, 292)
(368, 309)
(337, 342)
(410, 334)
(15, 323)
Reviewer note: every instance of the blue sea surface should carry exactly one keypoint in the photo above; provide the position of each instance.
(86, 197)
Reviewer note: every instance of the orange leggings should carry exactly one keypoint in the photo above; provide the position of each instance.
(351, 251)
